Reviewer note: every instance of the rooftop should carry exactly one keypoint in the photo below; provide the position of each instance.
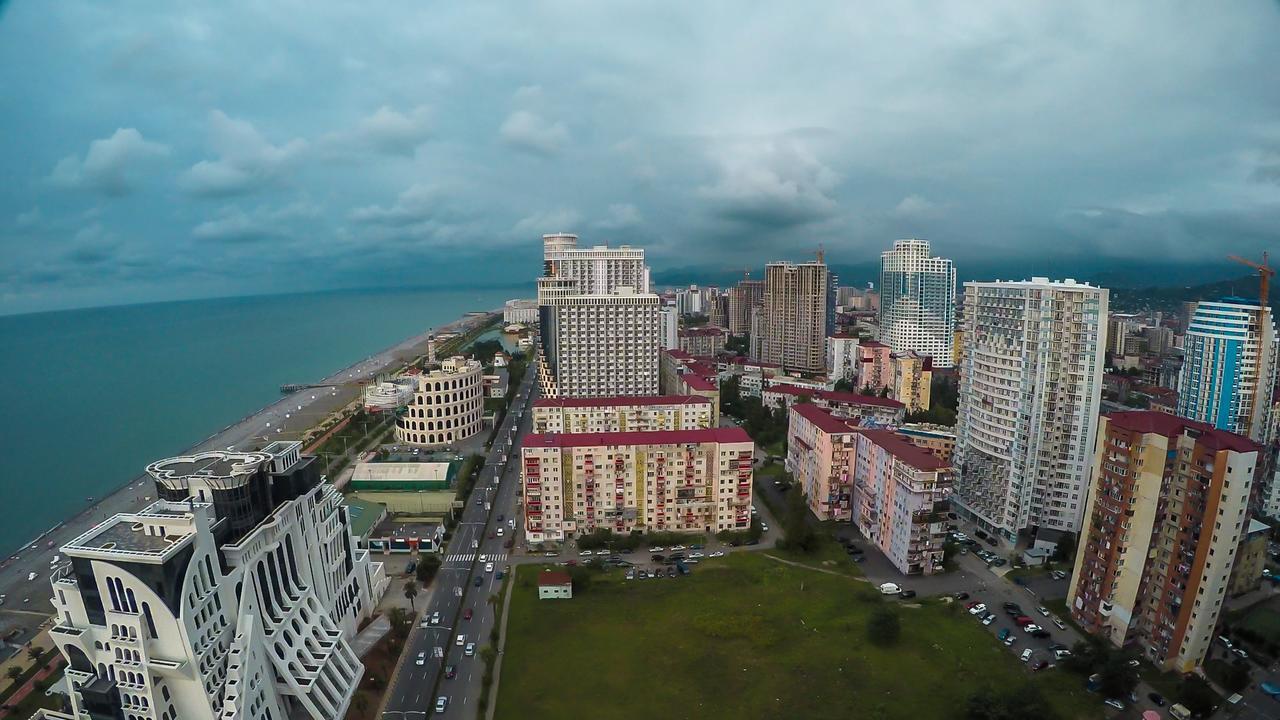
(848, 398)
(1150, 421)
(364, 514)
(622, 400)
(702, 331)
(213, 464)
(556, 577)
(902, 449)
(149, 533)
(401, 472)
(825, 421)
(697, 382)
(657, 437)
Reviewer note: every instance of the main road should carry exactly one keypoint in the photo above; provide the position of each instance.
(462, 588)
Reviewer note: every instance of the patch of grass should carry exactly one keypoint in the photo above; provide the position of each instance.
(748, 637)
(1263, 621)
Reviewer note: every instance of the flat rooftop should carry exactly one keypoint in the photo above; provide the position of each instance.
(127, 533)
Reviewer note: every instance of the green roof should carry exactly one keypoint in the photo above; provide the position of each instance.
(364, 514)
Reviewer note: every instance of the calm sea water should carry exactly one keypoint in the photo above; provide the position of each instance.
(91, 396)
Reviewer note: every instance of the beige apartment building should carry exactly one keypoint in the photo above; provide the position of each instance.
(796, 306)
(622, 414)
(1166, 514)
(912, 378)
(672, 480)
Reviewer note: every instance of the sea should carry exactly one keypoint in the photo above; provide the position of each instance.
(91, 396)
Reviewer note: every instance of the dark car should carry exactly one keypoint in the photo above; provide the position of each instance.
(1040, 665)
(479, 581)
(1157, 699)
(466, 614)
(981, 535)
(907, 594)
(671, 572)
(658, 558)
(953, 516)
(501, 517)
(1012, 610)
(961, 595)
(450, 672)
(1041, 633)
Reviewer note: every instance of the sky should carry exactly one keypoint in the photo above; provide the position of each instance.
(153, 151)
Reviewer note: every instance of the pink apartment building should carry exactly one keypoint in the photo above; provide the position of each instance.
(875, 366)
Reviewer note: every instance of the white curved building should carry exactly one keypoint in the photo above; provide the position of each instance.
(388, 396)
(447, 405)
(232, 597)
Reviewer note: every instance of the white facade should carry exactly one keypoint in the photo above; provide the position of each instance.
(918, 301)
(622, 414)
(1229, 356)
(1030, 389)
(447, 405)
(179, 612)
(599, 322)
(842, 357)
(520, 311)
(669, 328)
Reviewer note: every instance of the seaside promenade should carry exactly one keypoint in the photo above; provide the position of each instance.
(25, 603)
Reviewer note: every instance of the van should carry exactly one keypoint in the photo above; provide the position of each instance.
(1179, 712)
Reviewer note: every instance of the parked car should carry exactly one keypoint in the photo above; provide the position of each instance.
(990, 618)
(1040, 665)
(1026, 654)
(977, 609)
(1042, 610)
(716, 554)
(961, 595)
(1010, 639)
(890, 589)
(1112, 702)
(1057, 622)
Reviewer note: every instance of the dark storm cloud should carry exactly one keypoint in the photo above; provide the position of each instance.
(177, 149)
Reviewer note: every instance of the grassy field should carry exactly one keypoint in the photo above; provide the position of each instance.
(748, 637)
(1263, 620)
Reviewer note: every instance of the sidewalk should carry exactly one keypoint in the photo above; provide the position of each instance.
(502, 644)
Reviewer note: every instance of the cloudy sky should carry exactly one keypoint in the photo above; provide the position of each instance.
(170, 150)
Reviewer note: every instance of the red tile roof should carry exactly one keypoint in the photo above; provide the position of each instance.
(556, 578)
(678, 354)
(655, 437)
(1150, 421)
(622, 400)
(697, 382)
(913, 455)
(848, 398)
(825, 421)
(872, 344)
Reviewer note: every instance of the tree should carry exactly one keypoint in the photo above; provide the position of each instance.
(1196, 694)
(428, 566)
(1118, 677)
(1065, 551)
(410, 591)
(34, 652)
(845, 385)
(796, 531)
(1235, 677)
(883, 626)
(14, 672)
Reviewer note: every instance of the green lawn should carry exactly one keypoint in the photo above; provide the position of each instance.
(1264, 621)
(748, 637)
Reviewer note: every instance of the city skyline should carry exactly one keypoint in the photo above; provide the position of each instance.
(188, 172)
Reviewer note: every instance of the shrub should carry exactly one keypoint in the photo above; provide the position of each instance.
(883, 626)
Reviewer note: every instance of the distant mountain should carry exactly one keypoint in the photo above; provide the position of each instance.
(1171, 298)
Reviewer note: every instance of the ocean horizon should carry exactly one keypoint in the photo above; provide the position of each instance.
(92, 395)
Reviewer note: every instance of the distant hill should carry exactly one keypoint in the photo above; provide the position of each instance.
(1171, 298)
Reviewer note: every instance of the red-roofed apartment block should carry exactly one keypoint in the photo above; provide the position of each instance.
(673, 480)
(621, 413)
(683, 374)
(894, 491)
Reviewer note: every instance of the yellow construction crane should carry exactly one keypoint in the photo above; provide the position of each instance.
(1265, 272)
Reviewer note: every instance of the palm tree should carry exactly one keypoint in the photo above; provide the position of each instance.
(411, 592)
(14, 672)
(34, 652)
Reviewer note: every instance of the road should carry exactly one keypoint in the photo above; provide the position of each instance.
(454, 590)
(25, 600)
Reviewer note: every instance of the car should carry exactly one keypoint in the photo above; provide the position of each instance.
(1026, 655)
(961, 595)
(1011, 639)
(652, 575)
(1042, 610)
(483, 558)
(422, 659)
(55, 559)
(1061, 653)
(450, 672)
(1040, 632)
(631, 575)
(677, 547)
(501, 517)
(500, 532)
(671, 572)
(657, 549)
(1057, 622)
(972, 605)
(718, 553)
(550, 553)
(466, 614)
(641, 575)
(977, 609)
(1040, 665)
(658, 558)
(1031, 628)
(1240, 653)
(462, 640)
(890, 589)
(1224, 641)
(1023, 620)
(907, 594)
(435, 618)
(1114, 703)
(993, 542)
(959, 537)
(488, 567)
(764, 528)
(426, 622)
(1269, 688)
(479, 502)
(479, 581)
(585, 553)
(999, 562)
(1012, 609)
(696, 554)
(988, 619)
(603, 551)
(469, 650)
(1157, 699)
(1004, 633)
(442, 702)
(32, 576)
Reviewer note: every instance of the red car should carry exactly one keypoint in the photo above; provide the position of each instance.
(971, 605)
(466, 614)
(1023, 620)
(450, 672)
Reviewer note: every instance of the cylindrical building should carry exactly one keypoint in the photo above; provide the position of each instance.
(447, 405)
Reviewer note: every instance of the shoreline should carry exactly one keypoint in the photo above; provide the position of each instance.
(345, 386)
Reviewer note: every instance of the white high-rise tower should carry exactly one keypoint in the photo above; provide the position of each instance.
(918, 301)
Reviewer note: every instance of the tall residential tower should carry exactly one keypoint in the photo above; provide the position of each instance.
(796, 316)
(1229, 358)
(918, 301)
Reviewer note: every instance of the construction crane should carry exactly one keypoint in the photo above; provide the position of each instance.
(1265, 272)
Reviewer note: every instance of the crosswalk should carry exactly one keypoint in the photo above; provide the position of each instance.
(466, 558)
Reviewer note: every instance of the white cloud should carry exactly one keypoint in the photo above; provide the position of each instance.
(109, 164)
(234, 225)
(620, 216)
(246, 160)
(387, 131)
(417, 203)
(915, 206)
(547, 221)
(772, 182)
(531, 133)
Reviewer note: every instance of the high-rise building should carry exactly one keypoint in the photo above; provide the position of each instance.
(667, 481)
(842, 356)
(1229, 360)
(1121, 328)
(669, 328)
(598, 323)
(797, 314)
(742, 297)
(1030, 389)
(718, 309)
(875, 366)
(235, 595)
(622, 414)
(1166, 514)
(918, 301)
(912, 379)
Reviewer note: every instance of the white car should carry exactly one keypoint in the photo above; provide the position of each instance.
(764, 528)
(1026, 655)
(32, 576)
(488, 567)
(585, 553)
(475, 544)
(1112, 702)
(469, 650)
(1043, 610)
(442, 702)
(988, 619)
(603, 551)
(890, 589)
(501, 531)
(484, 558)
(657, 549)
(462, 640)
(422, 659)
(718, 553)
(435, 618)
(55, 559)
(677, 547)
(696, 555)
(977, 609)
